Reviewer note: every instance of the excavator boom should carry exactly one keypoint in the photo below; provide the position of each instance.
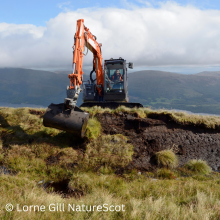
(84, 38)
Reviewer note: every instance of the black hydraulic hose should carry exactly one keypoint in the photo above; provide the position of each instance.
(92, 80)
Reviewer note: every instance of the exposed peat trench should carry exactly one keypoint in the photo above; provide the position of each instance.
(159, 132)
(62, 188)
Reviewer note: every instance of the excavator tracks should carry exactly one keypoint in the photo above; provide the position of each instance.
(112, 105)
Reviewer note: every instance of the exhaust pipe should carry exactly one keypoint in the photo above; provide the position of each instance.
(70, 120)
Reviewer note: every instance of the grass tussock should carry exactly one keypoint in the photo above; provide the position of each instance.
(1, 152)
(93, 128)
(166, 158)
(40, 161)
(207, 121)
(109, 150)
(166, 174)
(96, 109)
(141, 112)
(198, 167)
(20, 122)
(68, 156)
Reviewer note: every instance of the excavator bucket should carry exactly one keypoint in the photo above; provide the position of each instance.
(70, 120)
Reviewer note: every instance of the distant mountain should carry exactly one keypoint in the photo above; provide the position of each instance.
(63, 72)
(19, 85)
(194, 92)
(209, 73)
(158, 89)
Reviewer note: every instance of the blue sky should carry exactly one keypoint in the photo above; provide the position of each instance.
(38, 12)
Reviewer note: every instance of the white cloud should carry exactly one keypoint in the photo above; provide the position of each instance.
(146, 3)
(7, 30)
(170, 35)
(64, 5)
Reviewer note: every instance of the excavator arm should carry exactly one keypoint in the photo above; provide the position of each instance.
(83, 38)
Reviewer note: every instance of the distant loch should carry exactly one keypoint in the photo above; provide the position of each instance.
(5, 104)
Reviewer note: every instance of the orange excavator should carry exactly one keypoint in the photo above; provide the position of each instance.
(108, 90)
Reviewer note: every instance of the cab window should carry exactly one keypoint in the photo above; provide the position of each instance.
(114, 78)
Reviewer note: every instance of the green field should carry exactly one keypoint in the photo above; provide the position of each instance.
(37, 155)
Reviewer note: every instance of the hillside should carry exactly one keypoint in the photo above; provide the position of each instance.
(32, 86)
(139, 162)
(195, 92)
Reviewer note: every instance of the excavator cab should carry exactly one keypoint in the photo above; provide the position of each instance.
(114, 90)
(115, 78)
